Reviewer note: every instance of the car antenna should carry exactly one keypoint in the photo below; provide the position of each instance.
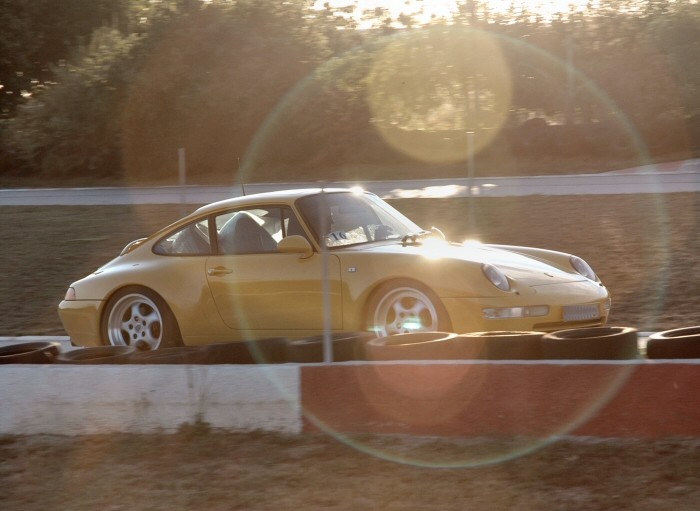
(241, 176)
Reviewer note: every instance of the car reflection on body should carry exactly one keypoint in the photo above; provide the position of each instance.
(290, 263)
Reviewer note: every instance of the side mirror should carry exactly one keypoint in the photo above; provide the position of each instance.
(295, 245)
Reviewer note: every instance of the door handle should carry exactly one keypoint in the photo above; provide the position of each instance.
(219, 270)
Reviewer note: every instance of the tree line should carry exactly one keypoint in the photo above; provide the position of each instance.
(265, 90)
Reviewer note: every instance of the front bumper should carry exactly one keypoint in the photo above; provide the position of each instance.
(568, 306)
(81, 320)
(469, 318)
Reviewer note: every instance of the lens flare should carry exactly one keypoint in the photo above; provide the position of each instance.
(422, 103)
(427, 88)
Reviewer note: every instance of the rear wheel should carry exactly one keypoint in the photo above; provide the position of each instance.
(138, 317)
(404, 307)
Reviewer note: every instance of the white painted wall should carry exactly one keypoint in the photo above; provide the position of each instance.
(77, 399)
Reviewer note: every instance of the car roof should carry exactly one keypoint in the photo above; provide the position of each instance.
(280, 196)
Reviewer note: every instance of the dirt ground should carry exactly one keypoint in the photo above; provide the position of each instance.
(644, 248)
(212, 471)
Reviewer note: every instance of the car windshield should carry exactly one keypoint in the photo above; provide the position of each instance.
(348, 218)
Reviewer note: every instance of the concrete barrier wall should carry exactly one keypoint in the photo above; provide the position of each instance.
(85, 399)
(640, 399)
(634, 399)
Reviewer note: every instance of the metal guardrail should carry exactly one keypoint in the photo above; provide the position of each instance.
(686, 180)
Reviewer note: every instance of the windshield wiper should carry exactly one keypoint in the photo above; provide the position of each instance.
(414, 238)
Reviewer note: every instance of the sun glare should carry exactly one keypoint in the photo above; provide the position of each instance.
(421, 11)
(424, 11)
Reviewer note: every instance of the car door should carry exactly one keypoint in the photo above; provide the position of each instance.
(256, 288)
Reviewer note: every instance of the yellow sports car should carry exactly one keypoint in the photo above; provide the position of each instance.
(295, 263)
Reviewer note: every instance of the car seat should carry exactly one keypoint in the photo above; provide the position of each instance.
(243, 235)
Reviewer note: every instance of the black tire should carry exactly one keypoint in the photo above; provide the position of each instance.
(405, 306)
(677, 343)
(261, 351)
(97, 355)
(229, 353)
(135, 315)
(173, 355)
(505, 345)
(43, 352)
(347, 346)
(597, 343)
(416, 346)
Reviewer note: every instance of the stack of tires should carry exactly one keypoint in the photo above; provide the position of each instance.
(262, 351)
(29, 353)
(680, 343)
(598, 343)
(346, 346)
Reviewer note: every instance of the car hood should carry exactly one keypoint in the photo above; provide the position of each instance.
(527, 270)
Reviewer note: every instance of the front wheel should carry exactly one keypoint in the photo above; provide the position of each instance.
(405, 307)
(140, 318)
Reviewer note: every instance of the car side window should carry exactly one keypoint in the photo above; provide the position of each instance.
(343, 219)
(291, 224)
(255, 230)
(193, 239)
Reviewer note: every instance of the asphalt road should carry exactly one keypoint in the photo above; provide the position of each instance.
(666, 178)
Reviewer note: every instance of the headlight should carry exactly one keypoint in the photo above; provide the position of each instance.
(496, 277)
(583, 268)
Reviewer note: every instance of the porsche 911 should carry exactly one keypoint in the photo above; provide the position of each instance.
(298, 263)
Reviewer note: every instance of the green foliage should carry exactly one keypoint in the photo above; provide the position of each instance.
(36, 34)
(208, 82)
(105, 87)
(70, 127)
(677, 35)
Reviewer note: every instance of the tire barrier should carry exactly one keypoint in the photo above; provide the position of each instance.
(504, 345)
(262, 351)
(597, 343)
(229, 353)
(172, 355)
(497, 345)
(678, 343)
(347, 346)
(97, 355)
(415, 346)
(29, 353)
